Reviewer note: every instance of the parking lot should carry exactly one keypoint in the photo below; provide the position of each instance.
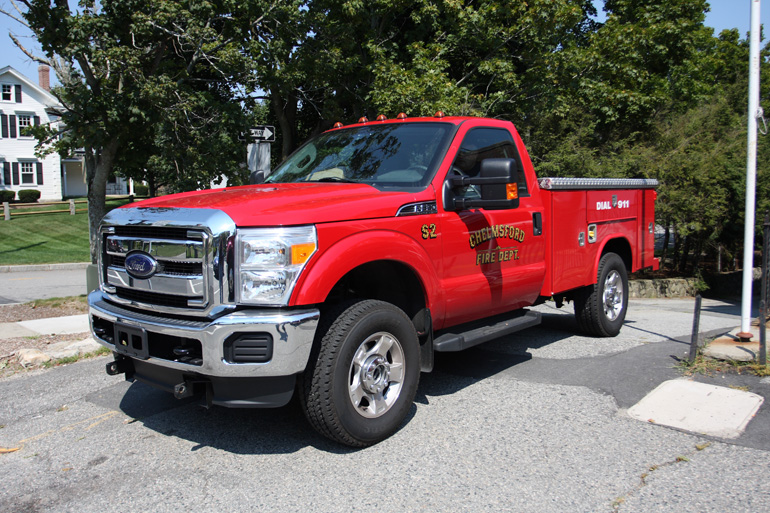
(530, 422)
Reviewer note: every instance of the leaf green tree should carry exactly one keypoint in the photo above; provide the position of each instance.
(130, 72)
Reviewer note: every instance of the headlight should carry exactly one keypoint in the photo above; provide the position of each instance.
(269, 262)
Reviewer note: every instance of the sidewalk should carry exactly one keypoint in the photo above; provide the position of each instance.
(43, 267)
(72, 324)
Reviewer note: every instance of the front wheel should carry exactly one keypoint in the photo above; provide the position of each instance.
(600, 309)
(361, 384)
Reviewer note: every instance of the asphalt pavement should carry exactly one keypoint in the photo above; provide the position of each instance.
(21, 284)
(537, 421)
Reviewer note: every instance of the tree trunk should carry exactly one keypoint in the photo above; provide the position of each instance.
(152, 186)
(99, 162)
(285, 111)
(677, 250)
(719, 258)
(697, 257)
(685, 254)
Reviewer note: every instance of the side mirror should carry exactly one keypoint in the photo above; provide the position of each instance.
(498, 182)
(256, 177)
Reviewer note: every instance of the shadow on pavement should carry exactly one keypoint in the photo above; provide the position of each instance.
(239, 431)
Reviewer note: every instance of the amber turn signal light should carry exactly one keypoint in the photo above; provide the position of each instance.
(301, 252)
(512, 191)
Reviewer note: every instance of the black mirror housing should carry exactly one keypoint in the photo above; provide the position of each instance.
(496, 177)
(256, 177)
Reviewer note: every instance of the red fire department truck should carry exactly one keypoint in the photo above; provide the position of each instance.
(370, 248)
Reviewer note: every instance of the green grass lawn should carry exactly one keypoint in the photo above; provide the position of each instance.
(47, 238)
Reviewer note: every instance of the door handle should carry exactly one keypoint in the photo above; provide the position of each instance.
(537, 223)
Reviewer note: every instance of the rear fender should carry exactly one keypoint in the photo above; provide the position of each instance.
(615, 243)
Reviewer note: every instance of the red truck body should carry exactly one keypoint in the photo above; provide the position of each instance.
(450, 270)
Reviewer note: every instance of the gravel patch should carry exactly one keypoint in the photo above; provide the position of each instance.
(9, 347)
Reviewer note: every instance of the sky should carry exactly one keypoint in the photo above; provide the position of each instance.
(724, 14)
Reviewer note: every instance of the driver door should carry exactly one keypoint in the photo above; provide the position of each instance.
(493, 258)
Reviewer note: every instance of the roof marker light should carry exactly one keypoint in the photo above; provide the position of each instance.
(363, 119)
(439, 114)
(382, 117)
(337, 125)
(401, 115)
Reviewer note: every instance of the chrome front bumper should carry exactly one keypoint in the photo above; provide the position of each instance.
(292, 330)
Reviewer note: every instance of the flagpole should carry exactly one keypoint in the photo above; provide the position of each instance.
(751, 174)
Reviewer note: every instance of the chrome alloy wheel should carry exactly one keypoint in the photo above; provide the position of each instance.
(376, 375)
(613, 295)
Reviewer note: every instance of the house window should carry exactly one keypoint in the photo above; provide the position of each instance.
(25, 121)
(6, 89)
(27, 173)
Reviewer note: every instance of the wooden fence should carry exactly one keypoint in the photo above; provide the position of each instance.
(22, 209)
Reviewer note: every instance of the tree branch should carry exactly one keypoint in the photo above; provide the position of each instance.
(20, 21)
(29, 54)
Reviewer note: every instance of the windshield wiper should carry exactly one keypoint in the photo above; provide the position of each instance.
(334, 179)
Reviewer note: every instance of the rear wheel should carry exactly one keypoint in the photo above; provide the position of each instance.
(361, 385)
(600, 309)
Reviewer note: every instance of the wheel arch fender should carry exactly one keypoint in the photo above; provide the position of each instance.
(618, 244)
(354, 251)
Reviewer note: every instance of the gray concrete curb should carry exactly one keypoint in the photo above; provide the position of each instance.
(43, 267)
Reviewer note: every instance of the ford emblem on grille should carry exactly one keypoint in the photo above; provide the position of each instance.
(141, 265)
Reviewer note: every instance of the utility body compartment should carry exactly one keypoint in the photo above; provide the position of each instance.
(584, 215)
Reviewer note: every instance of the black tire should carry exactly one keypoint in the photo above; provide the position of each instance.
(363, 374)
(600, 309)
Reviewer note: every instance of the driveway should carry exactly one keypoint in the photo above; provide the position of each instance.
(530, 422)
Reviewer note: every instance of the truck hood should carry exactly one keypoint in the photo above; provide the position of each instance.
(290, 204)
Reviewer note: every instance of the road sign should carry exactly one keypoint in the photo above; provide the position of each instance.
(262, 133)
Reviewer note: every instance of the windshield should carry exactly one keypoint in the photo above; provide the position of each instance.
(393, 156)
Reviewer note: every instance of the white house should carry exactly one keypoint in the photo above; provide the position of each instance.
(22, 104)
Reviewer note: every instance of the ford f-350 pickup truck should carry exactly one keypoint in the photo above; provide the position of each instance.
(369, 249)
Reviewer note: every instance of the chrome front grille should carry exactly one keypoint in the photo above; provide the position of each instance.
(190, 249)
(168, 267)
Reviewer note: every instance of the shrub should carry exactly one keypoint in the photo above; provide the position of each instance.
(6, 196)
(141, 190)
(29, 195)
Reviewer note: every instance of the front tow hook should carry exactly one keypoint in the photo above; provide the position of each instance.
(183, 390)
(121, 365)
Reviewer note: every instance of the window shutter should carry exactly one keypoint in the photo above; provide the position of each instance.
(15, 166)
(36, 120)
(4, 122)
(17, 87)
(7, 173)
(40, 173)
(12, 125)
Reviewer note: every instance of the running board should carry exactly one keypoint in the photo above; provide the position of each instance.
(468, 335)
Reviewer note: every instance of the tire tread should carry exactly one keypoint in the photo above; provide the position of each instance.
(588, 300)
(315, 384)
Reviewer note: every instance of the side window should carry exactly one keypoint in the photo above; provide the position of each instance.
(486, 143)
